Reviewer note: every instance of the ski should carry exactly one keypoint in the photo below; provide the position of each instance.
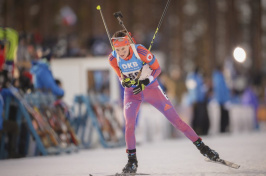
(127, 174)
(224, 162)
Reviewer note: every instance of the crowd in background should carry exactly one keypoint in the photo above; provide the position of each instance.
(62, 47)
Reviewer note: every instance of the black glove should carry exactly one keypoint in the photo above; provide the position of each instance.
(140, 85)
(127, 82)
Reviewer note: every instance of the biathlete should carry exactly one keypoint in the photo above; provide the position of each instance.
(127, 63)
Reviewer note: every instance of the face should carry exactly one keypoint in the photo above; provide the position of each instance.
(122, 51)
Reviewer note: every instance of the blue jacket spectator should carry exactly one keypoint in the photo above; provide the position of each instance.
(221, 91)
(197, 98)
(221, 94)
(43, 78)
(196, 87)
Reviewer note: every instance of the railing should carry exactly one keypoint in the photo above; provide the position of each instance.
(55, 130)
(100, 118)
(45, 120)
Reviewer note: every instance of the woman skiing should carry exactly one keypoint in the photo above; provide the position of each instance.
(128, 61)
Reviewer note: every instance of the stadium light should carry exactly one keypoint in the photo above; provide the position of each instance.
(239, 54)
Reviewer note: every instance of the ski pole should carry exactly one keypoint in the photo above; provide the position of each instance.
(160, 22)
(106, 28)
(108, 34)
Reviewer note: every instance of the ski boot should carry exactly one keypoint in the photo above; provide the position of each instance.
(206, 151)
(132, 164)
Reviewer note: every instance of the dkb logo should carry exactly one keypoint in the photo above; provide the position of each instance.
(130, 65)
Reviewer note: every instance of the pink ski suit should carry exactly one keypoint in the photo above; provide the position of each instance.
(152, 93)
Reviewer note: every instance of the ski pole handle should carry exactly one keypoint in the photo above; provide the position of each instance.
(118, 16)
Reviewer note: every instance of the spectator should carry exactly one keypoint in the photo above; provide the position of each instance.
(8, 127)
(221, 94)
(250, 98)
(197, 98)
(43, 77)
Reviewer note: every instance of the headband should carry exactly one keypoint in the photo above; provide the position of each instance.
(120, 41)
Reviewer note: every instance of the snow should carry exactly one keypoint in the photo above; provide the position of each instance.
(162, 158)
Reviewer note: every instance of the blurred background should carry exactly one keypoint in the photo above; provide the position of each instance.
(212, 54)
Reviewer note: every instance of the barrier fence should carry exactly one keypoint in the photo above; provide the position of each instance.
(51, 127)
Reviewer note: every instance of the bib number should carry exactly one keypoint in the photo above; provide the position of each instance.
(133, 75)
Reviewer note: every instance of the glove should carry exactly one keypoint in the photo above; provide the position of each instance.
(127, 82)
(140, 85)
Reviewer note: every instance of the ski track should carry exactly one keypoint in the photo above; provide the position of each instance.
(162, 158)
